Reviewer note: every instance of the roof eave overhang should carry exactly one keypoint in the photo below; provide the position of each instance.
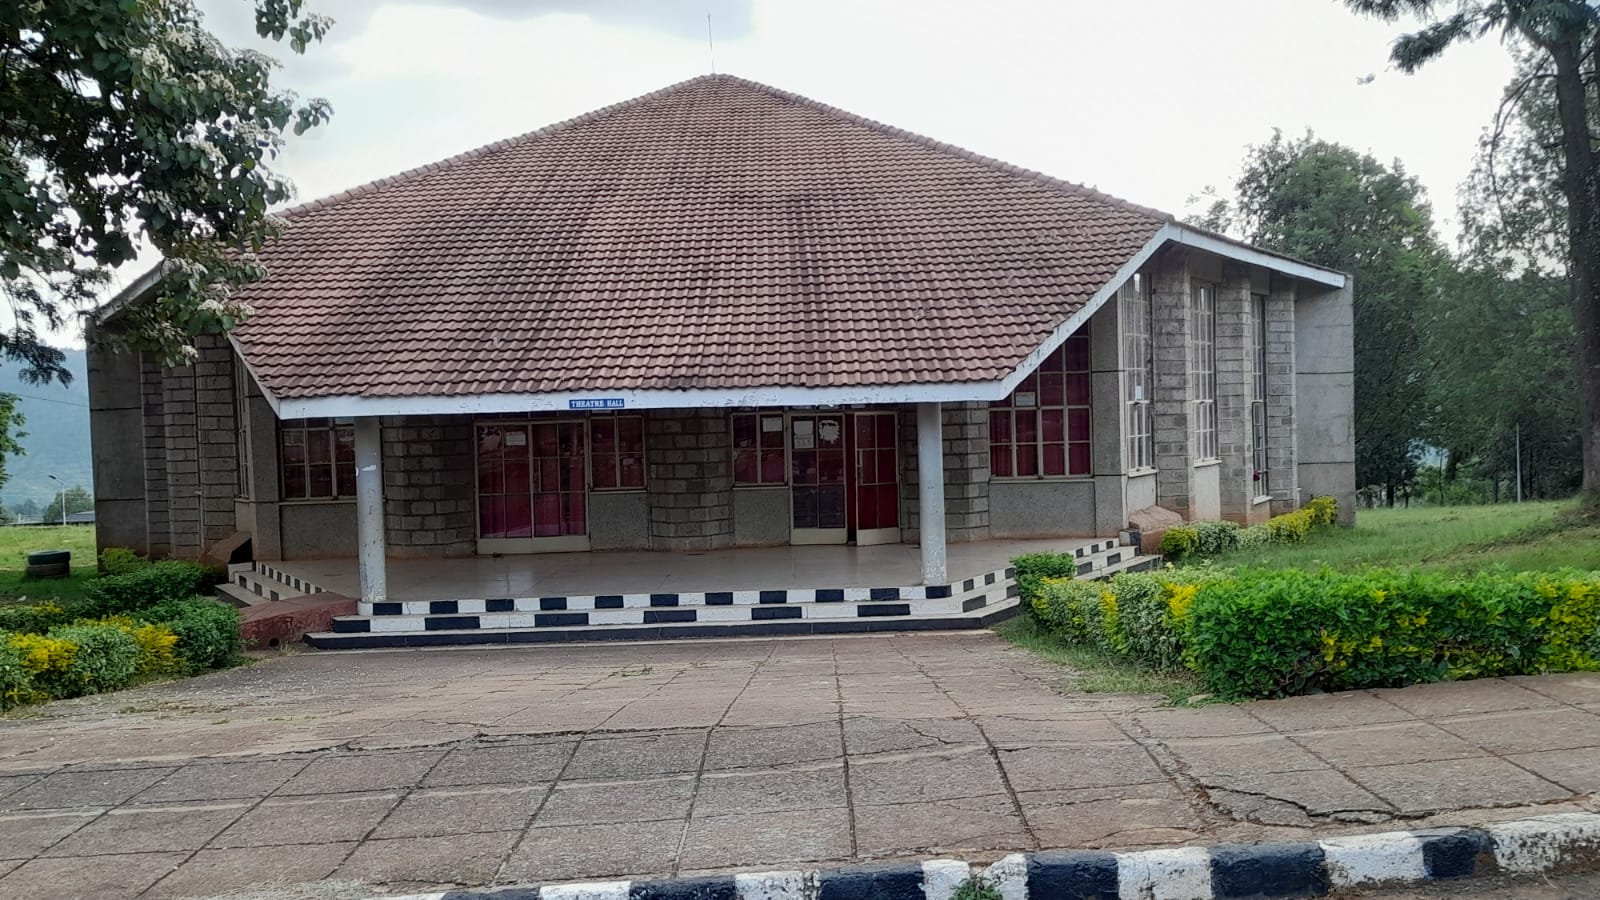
(135, 291)
(845, 395)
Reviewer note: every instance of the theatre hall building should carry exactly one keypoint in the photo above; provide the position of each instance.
(713, 343)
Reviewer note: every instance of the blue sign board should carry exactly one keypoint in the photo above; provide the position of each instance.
(597, 403)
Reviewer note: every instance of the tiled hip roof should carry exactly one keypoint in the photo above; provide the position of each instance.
(717, 234)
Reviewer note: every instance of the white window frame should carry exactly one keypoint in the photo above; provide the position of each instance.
(1136, 313)
(1203, 371)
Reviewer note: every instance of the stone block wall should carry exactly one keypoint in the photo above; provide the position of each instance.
(157, 525)
(216, 438)
(1282, 480)
(182, 449)
(1170, 399)
(1235, 318)
(966, 472)
(689, 479)
(429, 499)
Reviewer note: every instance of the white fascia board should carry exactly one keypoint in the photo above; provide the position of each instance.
(272, 401)
(1199, 240)
(587, 401)
(138, 288)
(1066, 329)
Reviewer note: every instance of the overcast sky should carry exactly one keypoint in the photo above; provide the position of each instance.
(1151, 100)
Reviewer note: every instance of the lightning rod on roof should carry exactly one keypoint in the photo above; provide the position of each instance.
(711, 44)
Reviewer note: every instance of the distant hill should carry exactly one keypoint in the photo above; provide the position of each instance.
(57, 441)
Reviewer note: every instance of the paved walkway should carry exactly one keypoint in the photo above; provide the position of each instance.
(470, 767)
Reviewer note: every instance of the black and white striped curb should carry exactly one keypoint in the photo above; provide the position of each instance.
(1523, 846)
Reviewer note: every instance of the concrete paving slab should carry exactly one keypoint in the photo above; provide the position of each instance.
(123, 875)
(592, 851)
(746, 764)
(606, 802)
(143, 829)
(308, 820)
(462, 810)
(211, 872)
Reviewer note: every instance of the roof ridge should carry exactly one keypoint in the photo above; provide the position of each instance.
(954, 150)
(406, 175)
(921, 140)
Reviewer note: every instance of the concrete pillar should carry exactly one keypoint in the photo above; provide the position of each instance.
(1282, 477)
(370, 548)
(1325, 396)
(1235, 318)
(930, 489)
(1172, 394)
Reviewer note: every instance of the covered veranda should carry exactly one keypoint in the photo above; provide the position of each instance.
(653, 572)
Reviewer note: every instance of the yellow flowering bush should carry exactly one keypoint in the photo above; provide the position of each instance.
(48, 663)
(1207, 539)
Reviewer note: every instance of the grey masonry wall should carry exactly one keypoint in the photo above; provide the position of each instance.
(1282, 472)
(117, 448)
(166, 444)
(157, 525)
(216, 440)
(429, 498)
(1170, 400)
(689, 479)
(1234, 321)
(1325, 397)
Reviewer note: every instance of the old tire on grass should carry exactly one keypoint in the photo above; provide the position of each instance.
(49, 563)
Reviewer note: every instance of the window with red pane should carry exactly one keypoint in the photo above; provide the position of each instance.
(1042, 429)
(758, 449)
(616, 448)
(318, 458)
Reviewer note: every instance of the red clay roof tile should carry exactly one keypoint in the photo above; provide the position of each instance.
(715, 234)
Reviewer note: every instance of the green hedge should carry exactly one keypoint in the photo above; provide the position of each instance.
(1277, 633)
(1204, 540)
(208, 631)
(146, 586)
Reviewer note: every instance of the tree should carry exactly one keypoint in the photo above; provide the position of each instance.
(28, 508)
(124, 121)
(1330, 205)
(76, 498)
(1561, 38)
(11, 433)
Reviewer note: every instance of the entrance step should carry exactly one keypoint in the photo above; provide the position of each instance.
(250, 584)
(973, 603)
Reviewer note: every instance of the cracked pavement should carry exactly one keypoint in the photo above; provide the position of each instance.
(417, 769)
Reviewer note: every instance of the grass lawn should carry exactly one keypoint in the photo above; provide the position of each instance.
(16, 542)
(1526, 536)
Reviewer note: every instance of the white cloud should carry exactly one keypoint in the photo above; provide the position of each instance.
(1149, 101)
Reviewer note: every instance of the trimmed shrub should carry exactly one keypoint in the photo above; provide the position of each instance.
(1072, 608)
(107, 657)
(35, 617)
(145, 587)
(1180, 542)
(1032, 570)
(1208, 539)
(158, 653)
(1216, 538)
(48, 661)
(121, 561)
(16, 683)
(207, 631)
(1269, 634)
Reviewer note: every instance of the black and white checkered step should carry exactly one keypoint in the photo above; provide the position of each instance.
(269, 583)
(968, 604)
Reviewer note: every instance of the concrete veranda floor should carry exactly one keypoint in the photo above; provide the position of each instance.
(414, 769)
(645, 571)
